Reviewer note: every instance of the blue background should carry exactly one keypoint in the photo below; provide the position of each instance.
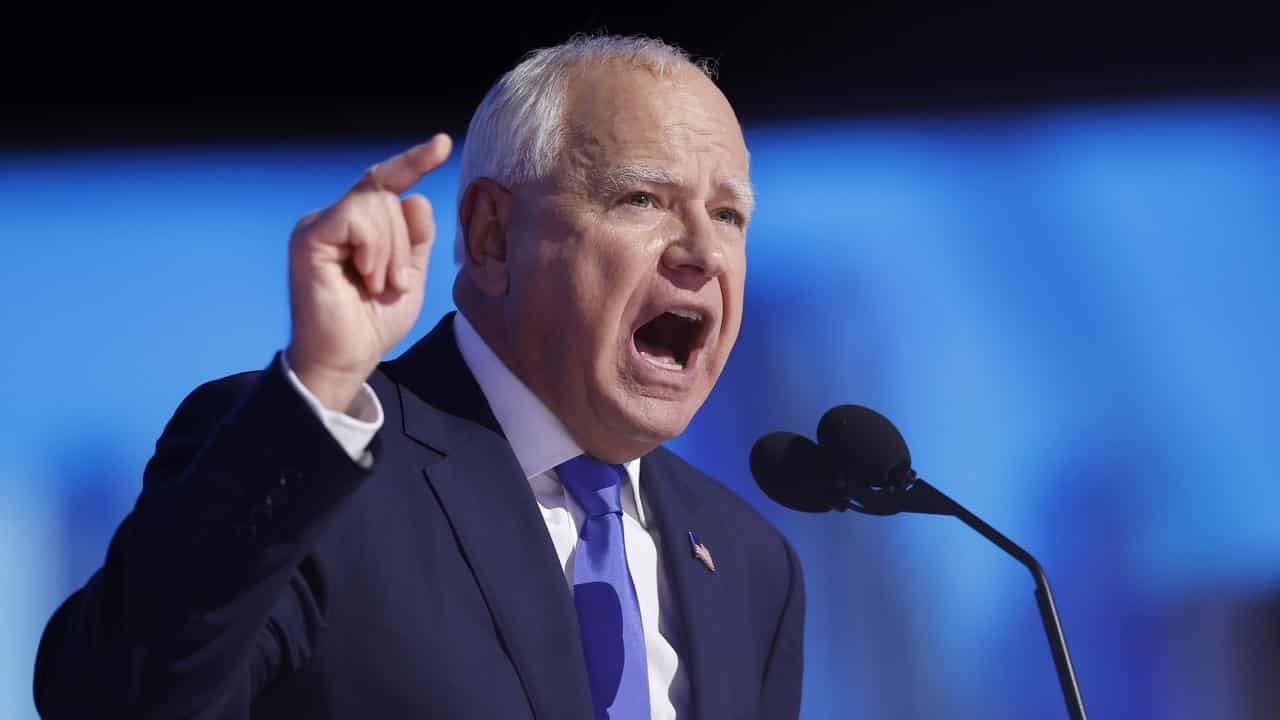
(1070, 313)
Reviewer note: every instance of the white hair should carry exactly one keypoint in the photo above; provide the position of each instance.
(518, 130)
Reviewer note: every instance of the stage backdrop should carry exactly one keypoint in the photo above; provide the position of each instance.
(1071, 314)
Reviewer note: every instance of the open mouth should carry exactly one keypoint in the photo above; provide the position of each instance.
(670, 339)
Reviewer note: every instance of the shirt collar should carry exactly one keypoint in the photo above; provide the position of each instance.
(538, 438)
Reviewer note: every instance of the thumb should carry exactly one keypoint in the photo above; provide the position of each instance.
(422, 230)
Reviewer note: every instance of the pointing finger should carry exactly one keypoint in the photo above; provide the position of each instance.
(399, 173)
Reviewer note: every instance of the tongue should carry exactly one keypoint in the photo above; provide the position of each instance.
(654, 351)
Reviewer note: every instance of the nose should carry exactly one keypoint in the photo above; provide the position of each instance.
(697, 255)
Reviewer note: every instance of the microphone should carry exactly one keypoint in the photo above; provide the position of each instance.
(778, 458)
(861, 462)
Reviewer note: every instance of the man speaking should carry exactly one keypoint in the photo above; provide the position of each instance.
(486, 526)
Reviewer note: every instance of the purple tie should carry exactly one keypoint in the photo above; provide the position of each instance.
(608, 611)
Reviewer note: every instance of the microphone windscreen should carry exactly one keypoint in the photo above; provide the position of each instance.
(866, 444)
(793, 471)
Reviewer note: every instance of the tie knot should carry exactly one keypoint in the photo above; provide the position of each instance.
(595, 485)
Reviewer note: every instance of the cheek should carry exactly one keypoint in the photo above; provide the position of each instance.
(575, 306)
(732, 284)
(607, 273)
(732, 289)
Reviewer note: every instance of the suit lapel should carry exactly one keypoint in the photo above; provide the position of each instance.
(479, 484)
(702, 596)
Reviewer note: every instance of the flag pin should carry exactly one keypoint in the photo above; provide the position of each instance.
(701, 552)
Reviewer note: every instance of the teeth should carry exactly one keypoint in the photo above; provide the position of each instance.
(693, 315)
(662, 362)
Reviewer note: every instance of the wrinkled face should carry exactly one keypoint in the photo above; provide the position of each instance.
(627, 262)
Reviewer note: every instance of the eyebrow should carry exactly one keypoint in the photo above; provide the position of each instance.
(621, 177)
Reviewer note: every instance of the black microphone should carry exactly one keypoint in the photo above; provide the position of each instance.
(861, 462)
(778, 458)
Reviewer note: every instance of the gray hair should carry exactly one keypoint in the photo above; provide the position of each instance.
(518, 130)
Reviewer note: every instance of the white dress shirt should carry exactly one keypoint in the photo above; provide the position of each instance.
(540, 443)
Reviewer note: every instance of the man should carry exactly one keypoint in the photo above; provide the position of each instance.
(486, 526)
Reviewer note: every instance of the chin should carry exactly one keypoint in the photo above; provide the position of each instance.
(640, 407)
(653, 421)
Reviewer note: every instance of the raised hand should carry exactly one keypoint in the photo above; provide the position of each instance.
(357, 271)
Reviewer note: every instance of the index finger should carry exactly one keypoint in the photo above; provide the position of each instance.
(399, 173)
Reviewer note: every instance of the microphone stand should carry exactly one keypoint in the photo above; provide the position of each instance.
(921, 497)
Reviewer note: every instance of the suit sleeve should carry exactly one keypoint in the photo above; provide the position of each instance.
(780, 692)
(174, 624)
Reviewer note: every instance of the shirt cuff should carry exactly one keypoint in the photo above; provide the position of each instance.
(353, 430)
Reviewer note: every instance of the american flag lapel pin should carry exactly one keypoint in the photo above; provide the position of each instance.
(701, 552)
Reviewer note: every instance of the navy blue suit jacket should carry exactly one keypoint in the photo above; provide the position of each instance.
(264, 574)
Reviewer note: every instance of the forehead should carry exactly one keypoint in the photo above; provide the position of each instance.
(620, 115)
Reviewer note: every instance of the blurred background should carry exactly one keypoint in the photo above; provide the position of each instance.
(1043, 240)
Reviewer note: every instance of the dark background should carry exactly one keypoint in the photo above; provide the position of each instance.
(205, 72)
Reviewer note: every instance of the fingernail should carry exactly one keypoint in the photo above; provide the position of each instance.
(405, 278)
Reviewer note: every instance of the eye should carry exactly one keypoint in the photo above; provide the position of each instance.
(640, 200)
(729, 215)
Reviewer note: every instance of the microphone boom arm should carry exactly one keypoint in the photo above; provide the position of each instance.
(861, 463)
(928, 499)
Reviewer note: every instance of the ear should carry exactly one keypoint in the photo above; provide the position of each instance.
(483, 214)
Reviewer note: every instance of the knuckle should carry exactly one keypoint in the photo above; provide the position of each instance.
(391, 204)
(364, 233)
(361, 213)
(370, 178)
(305, 222)
(343, 214)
